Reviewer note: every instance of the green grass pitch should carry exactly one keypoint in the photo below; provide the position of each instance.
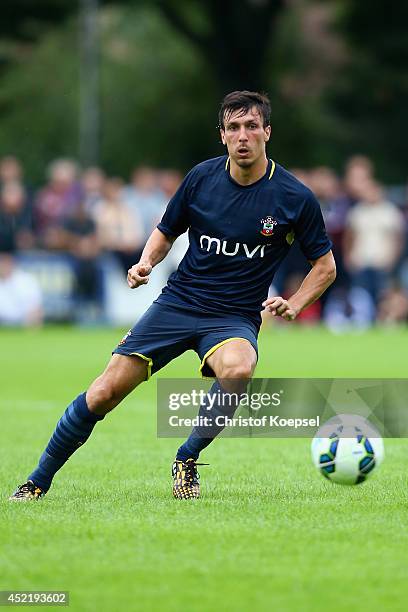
(268, 533)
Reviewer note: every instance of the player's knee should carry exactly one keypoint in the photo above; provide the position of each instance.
(241, 370)
(102, 396)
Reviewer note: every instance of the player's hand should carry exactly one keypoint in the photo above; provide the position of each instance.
(280, 308)
(138, 275)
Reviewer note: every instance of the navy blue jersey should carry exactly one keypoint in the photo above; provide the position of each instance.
(238, 236)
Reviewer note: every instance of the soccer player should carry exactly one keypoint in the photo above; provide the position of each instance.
(242, 212)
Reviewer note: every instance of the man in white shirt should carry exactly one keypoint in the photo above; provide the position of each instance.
(373, 240)
(20, 295)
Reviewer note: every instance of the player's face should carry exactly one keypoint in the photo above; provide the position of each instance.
(245, 137)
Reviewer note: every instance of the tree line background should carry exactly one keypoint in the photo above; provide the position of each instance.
(335, 71)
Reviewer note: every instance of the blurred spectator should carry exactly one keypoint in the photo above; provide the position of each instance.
(92, 182)
(92, 213)
(302, 175)
(393, 307)
(347, 308)
(169, 181)
(117, 228)
(403, 264)
(81, 241)
(15, 218)
(373, 240)
(327, 188)
(11, 170)
(55, 203)
(145, 198)
(20, 295)
(359, 171)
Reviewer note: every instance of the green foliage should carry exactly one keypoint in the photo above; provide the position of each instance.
(165, 65)
(158, 102)
(155, 96)
(371, 94)
(39, 103)
(27, 20)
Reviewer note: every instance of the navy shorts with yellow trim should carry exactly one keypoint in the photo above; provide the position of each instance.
(165, 331)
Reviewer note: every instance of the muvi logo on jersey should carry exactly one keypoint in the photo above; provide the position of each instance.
(222, 247)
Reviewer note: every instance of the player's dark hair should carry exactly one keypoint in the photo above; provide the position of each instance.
(244, 101)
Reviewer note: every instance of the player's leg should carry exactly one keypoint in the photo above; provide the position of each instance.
(159, 336)
(122, 374)
(233, 363)
(120, 377)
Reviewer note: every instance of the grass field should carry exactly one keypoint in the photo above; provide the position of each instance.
(268, 533)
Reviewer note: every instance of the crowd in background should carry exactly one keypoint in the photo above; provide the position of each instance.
(87, 214)
(368, 225)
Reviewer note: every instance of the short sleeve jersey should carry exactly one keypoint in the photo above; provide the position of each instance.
(238, 236)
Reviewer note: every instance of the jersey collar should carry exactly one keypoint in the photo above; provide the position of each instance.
(267, 176)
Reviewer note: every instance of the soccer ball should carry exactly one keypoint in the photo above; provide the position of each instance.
(347, 449)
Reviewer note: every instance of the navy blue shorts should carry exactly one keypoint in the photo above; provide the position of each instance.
(166, 331)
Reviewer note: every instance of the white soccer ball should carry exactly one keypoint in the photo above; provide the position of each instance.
(347, 449)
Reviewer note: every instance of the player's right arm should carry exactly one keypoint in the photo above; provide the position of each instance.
(156, 249)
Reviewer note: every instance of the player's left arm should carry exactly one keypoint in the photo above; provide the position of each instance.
(320, 277)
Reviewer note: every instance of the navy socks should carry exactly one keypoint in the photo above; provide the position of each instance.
(72, 431)
(201, 437)
(76, 425)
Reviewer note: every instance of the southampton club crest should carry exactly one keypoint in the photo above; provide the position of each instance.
(267, 226)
